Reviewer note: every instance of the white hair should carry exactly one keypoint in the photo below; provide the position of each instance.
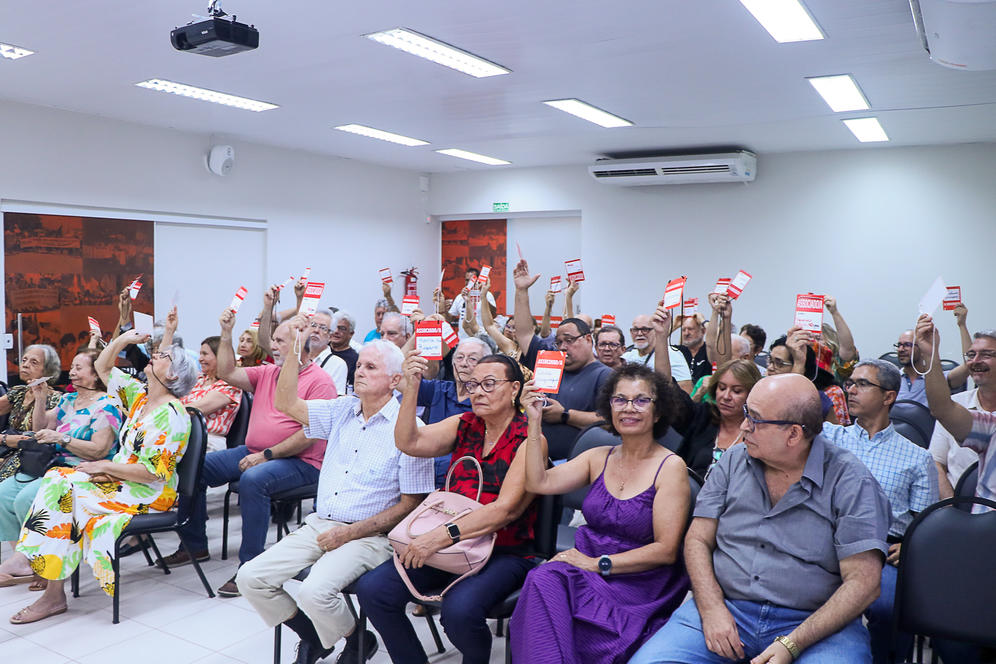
(391, 355)
(184, 371)
(740, 347)
(475, 341)
(343, 315)
(406, 323)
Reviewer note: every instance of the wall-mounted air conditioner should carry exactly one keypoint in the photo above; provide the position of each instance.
(960, 34)
(740, 166)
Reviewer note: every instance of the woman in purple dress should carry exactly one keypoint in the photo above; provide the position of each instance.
(599, 601)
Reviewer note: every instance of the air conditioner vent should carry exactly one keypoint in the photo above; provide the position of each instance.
(635, 172)
(739, 166)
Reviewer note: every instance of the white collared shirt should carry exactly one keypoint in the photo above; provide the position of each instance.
(946, 450)
(363, 473)
(335, 367)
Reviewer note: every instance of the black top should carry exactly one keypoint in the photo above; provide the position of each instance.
(698, 364)
(694, 421)
(349, 356)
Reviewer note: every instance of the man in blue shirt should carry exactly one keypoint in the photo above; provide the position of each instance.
(911, 386)
(905, 472)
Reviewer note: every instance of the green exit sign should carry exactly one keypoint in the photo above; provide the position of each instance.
(499, 207)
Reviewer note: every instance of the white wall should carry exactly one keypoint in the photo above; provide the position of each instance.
(874, 227)
(343, 218)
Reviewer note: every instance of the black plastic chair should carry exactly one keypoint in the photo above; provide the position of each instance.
(281, 504)
(143, 526)
(761, 359)
(948, 365)
(913, 420)
(891, 356)
(966, 486)
(958, 603)
(240, 426)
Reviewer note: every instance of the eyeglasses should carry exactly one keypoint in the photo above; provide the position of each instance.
(640, 404)
(323, 328)
(488, 384)
(774, 362)
(861, 384)
(608, 345)
(641, 330)
(566, 340)
(469, 359)
(161, 354)
(754, 421)
(972, 355)
(342, 329)
(903, 344)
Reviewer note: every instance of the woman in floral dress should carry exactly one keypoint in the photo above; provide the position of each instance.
(79, 512)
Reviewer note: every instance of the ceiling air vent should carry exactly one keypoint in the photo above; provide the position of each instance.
(739, 166)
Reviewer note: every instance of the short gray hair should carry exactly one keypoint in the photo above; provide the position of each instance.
(343, 315)
(382, 303)
(389, 352)
(51, 365)
(184, 370)
(157, 336)
(888, 374)
(744, 346)
(475, 341)
(987, 334)
(406, 322)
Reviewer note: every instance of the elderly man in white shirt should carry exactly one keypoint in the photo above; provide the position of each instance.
(366, 487)
(320, 331)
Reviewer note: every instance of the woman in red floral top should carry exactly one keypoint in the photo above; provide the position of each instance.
(492, 433)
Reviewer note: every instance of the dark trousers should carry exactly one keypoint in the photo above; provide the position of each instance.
(383, 596)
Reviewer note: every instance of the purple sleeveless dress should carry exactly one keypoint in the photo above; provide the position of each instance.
(568, 615)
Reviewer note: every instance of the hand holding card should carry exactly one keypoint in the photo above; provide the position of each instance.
(429, 339)
(549, 370)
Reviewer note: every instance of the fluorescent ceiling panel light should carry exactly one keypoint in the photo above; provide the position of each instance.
(840, 93)
(588, 112)
(370, 132)
(12, 52)
(435, 50)
(785, 20)
(206, 95)
(473, 156)
(867, 130)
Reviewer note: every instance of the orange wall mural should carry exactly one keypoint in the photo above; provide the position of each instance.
(61, 269)
(474, 243)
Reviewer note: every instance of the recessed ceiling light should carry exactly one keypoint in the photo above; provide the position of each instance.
(588, 112)
(785, 20)
(206, 95)
(867, 130)
(12, 52)
(473, 156)
(841, 93)
(437, 51)
(370, 132)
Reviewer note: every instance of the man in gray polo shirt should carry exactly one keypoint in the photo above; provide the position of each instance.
(786, 548)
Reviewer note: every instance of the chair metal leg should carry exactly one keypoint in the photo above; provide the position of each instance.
(435, 632)
(276, 643)
(197, 565)
(74, 582)
(508, 645)
(500, 628)
(116, 599)
(145, 548)
(224, 525)
(159, 556)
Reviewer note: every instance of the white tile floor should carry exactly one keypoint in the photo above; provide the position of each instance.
(166, 619)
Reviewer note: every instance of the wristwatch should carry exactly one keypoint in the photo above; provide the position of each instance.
(454, 532)
(566, 415)
(605, 566)
(789, 645)
(65, 439)
(268, 453)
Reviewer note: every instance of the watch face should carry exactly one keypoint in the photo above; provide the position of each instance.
(604, 564)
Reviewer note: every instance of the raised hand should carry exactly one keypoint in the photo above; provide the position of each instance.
(172, 320)
(227, 321)
(521, 277)
(572, 286)
(661, 320)
(415, 366)
(830, 302)
(960, 314)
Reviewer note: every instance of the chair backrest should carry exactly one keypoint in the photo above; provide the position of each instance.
(913, 420)
(948, 365)
(240, 427)
(943, 587)
(593, 436)
(4, 418)
(547, 520)
(192, 463)
(967, 484)
(761, 359)
(891, 356)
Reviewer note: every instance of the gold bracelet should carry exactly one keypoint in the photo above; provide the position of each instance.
(789, 645)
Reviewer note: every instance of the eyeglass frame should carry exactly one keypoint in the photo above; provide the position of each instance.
(608, 345)
(318, 326)
(847, 384)
(472, 385)
(755, 421)
(977, 355)
(630, 402)
(903, 344)
(567, 340)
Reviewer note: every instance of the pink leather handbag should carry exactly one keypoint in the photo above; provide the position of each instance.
(466, 557)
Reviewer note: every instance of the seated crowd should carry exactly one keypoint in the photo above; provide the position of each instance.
(752, 505)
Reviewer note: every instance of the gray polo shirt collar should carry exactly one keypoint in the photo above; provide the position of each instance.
(799, 492)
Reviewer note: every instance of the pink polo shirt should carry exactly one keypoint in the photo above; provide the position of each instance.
(267, 425)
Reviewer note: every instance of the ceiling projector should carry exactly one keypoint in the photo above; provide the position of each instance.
(214, 35)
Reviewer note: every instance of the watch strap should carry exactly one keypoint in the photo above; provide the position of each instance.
(789, 645)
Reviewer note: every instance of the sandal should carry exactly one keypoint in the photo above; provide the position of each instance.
(29, 615)
(38, 585)
(7, 580)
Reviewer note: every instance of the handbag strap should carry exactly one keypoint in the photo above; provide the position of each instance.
(480, 474)
(419, 596)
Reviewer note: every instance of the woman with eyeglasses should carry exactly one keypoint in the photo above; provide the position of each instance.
(599, 601)
(79, 512)
(504, 338)
(493, 434)
(792, 353)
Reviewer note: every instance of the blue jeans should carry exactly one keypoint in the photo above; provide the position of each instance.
(255, 487)
(680, 641)
(383, 596)
(879, 616)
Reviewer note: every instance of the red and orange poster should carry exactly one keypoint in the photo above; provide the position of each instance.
(473, 243)
(61, 269)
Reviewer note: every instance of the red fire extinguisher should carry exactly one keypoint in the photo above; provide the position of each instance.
(411, 281)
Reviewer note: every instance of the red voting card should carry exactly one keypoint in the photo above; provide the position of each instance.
(673, 292)
(722, 285)
(549, 370)
(736, 286)
(385, 275)
(134, 287)
(608, 319)
(450, 335)
(574, 270)
(409, 303)
(312, 293)
(809, 312)
(94, 325)
(485, 271)
(556, 285)
(240, 296)
(691, 306)
(952, 298)
(429, 339)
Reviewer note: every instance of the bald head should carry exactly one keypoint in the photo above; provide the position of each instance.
(587, 319)
(791, 397)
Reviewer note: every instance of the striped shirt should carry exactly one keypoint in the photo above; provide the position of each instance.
(905, 471)
(982, 439)
(363, 473)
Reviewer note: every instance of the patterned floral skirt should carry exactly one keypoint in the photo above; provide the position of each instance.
(73, 518)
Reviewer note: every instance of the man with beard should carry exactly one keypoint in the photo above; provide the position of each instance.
(693, 346)
(341, 341)
(320, 329)
(911, 386)
(644, 341)
(951, 458)
(276, 456)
